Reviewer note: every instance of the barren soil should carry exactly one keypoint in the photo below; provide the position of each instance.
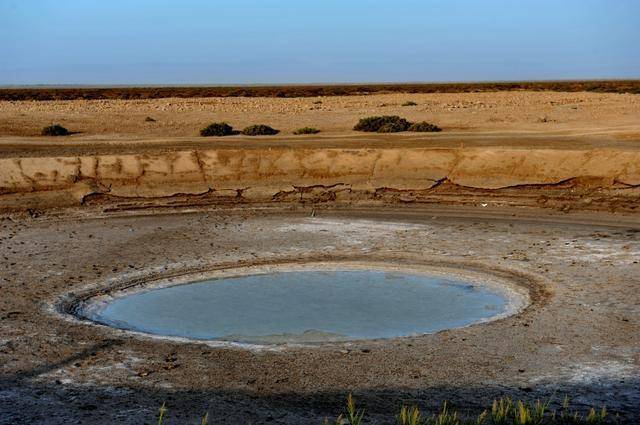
(580, 335)
(539, 188)
(514, 113)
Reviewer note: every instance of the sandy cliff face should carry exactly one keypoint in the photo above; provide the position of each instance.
(268, 174)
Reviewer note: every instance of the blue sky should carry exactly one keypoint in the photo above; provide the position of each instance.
(297, 41)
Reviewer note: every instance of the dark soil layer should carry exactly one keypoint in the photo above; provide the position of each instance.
(70, 93)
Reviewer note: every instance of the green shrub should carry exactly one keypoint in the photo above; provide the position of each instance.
(218, 129)
(55, 130)
(307, 130)
(409, 103)
(382, 124)
(259, 130)
(424, 127)
(392, 127)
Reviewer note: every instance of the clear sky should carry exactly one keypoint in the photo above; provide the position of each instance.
(296, 41)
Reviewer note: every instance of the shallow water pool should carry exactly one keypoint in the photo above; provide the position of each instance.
(304, 307)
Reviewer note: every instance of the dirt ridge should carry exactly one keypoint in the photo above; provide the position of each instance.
(261, 175)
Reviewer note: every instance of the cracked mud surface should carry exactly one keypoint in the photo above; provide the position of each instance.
(579, 337)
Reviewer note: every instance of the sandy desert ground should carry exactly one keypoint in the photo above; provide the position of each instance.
(509, 112)
(539, 188)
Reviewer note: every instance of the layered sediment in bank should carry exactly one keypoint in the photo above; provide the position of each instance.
(596, 178)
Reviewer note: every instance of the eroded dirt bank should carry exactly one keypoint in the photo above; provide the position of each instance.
(580, 336)
(595, 178)
(523, 148)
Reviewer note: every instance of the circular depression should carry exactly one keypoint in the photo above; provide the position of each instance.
(308, 304)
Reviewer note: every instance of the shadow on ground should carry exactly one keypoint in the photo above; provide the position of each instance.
(26, 399)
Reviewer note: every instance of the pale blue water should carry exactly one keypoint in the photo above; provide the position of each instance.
(305, 306)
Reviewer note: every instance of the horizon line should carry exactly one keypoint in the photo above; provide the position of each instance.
(266, 84)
